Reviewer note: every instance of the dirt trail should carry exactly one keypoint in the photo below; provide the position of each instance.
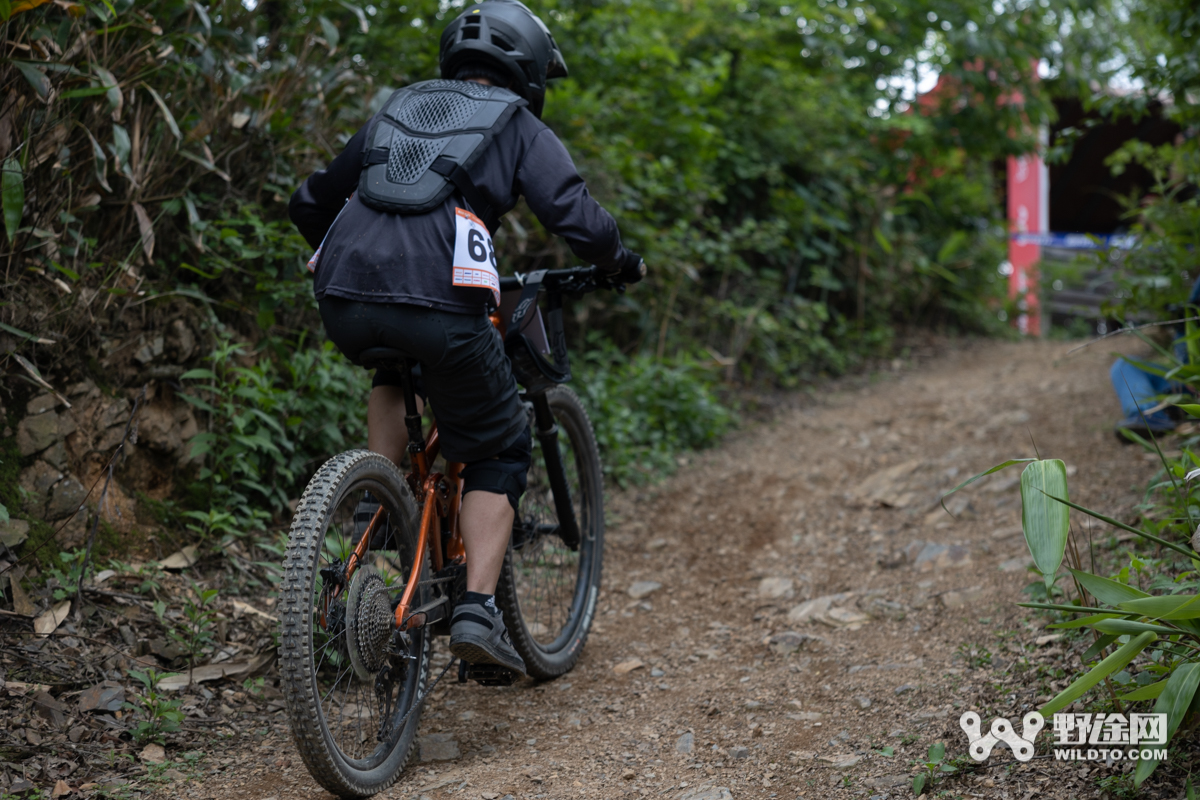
(737, 688)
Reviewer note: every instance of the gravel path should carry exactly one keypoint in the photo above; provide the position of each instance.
(816, 606)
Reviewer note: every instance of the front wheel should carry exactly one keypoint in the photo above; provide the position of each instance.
(548, 589)
(347, 682)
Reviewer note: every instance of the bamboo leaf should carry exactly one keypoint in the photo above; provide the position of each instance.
(330, 32)
(884, 244)
(1183, 551)
(112, 86)
(1083, 622)
(1123, 627)
(1150, 692)
(1107, 590)
(36, 78)
(1191, 408)
(1098, 647)
(101, 162)
(24, 334)
(1175, 606)
(363, 25)
(12, 194)
(1114, 662)
(952, 246)
(1046, 522)
(204, 20)
(1174, 701)
(984, 474)
(89, 91)
(168, 117)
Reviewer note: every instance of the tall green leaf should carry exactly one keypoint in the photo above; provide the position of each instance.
(1106, 590)
(12, 192)
(1114, 662)
(1174, 701)
(168, 117)
(1174, 606)
(1046, 521)
(1125, 627)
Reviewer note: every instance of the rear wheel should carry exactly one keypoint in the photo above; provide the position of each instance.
(346, 681)
(547, 590)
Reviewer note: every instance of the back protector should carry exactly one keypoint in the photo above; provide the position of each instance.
(423, 141)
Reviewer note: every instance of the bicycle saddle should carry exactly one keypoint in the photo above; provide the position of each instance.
(381, 357)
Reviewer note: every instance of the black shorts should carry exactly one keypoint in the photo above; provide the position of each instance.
(464, 372)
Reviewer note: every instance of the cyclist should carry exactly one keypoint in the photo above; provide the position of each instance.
(402, 222)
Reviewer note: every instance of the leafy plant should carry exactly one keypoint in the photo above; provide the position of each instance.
(645, 412)
(195, 632)
(155, 715)
(934, 766)
(273, 422)
(67, 578)
(1129, 622)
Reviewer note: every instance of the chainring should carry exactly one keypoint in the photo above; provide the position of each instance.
(369, 622)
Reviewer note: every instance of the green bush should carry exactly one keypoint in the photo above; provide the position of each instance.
(273, 421)
(645, 412)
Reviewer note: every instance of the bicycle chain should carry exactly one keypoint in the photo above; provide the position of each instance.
(420, 701)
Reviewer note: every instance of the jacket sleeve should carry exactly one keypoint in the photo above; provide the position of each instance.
(560, 200)
(315, 205)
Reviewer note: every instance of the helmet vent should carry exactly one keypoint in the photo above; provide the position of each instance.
(437, 112)
(471, 33)
(502, 43)
(409, 157)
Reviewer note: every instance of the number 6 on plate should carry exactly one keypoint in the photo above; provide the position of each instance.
(474, 254)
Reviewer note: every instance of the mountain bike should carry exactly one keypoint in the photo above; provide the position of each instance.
(364, 594)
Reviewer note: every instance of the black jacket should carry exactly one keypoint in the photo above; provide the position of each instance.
(382, 257)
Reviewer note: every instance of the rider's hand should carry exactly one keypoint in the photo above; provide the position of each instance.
(630, 269)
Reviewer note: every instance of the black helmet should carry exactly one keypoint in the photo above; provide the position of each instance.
(507, 35)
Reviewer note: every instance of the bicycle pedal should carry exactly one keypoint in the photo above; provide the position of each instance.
(491, 675)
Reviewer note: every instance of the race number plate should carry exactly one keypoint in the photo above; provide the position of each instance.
(474, 255)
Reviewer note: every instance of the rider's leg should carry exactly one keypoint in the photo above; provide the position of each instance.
(485, 523)
(386, 433)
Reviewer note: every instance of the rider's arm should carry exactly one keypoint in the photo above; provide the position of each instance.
(315, 205)
(559, 198)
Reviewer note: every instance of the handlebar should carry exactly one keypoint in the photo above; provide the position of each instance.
(573, 280)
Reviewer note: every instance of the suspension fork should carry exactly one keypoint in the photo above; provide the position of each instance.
(547, 433)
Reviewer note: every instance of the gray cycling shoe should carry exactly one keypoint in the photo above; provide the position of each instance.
(478, 636)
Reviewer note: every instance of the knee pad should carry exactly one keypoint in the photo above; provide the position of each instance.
(505, 474)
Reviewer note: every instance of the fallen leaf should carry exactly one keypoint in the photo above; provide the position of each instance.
(625, 667)
(61, 789)
(240, 608)
(146, 228)
(48, 623)
(181, 559)
(1047, 639)
(21, 602)
(214, 672)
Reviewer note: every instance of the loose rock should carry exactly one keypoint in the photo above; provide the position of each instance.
(153, 754)
(102, 698)
(685, 743)
(643, 589)
(775, 588)
(437, 747)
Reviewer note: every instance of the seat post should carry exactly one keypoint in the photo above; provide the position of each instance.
(412, 419)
